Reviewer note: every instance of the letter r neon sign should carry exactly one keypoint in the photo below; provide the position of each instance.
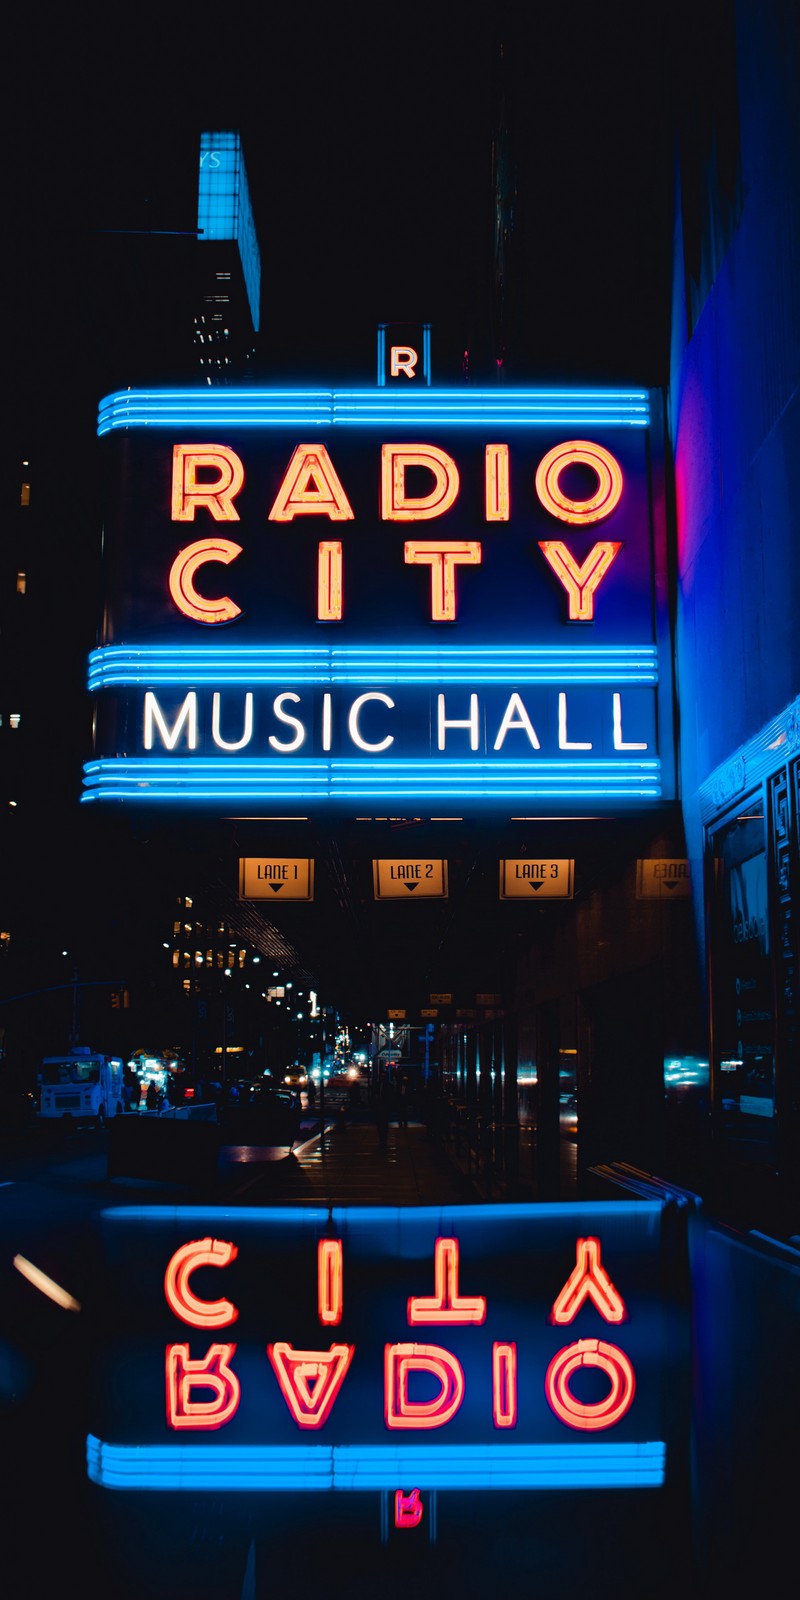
(402, 358)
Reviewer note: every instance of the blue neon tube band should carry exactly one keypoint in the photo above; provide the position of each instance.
(143, 779)
(115, 665)
(192, 1467)
(348, 408)
(586, 1214)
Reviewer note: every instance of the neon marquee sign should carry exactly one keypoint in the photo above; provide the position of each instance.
(337, 598)
(451, 1348)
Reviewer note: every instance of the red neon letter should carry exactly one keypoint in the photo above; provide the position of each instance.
(181, 581)
(329, 1280)
(396, 505)
(446, 1305)
(609, 482)
(580, 582)
(497, 496)
(407, 1509)
(442, 556)
(198, 1313)
(588, 1281)
(329, 580)
(401, 1412)
(310, 1380)
(211, 1372)
(188, 494)
(311, 488)
(504, 1385)
(590, 1353)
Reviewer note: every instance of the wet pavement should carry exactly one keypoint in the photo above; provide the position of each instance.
(63, 1532)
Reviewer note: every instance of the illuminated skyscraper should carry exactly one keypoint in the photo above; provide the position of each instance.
(229, 265)
(173, 291)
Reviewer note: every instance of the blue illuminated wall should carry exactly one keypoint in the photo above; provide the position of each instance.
(224, 210)
(735, 427)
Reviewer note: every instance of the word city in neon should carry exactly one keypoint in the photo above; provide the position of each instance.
(310, 1380)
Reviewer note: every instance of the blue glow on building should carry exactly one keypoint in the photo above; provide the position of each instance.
(354, 408)
(224, 209)
(373, 1467)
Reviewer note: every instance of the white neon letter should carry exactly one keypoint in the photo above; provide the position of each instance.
(515, 716)
(472, 722)
(237, 744)
(563, 742)
(291, 722)
(619, 742)
(352, 722)
(154, 715)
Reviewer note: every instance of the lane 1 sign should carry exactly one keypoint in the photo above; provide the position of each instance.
(525, 879)
(271, 878)
(410, 880)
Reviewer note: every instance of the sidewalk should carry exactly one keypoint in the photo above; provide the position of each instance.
(346, 1165)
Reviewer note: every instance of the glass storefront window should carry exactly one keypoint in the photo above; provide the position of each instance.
(742, 989)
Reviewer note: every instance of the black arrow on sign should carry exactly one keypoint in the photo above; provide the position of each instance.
(411, 887)
(276, 887)
(534, 886)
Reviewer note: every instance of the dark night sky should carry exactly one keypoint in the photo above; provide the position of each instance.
(368, 136)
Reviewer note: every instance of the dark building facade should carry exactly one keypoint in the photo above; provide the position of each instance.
(735, 417)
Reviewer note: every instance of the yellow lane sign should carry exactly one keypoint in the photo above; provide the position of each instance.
(663, 879)
(276, 878)
(524, 879)
(410, 880)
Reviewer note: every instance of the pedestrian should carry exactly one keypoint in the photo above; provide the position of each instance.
(382, 1102)
(152, 1097)
(403, 1097)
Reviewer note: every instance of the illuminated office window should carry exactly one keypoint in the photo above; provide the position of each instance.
(25, 494)
(14, 719)
(22, 582)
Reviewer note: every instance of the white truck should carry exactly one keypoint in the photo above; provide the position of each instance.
(82, 1085)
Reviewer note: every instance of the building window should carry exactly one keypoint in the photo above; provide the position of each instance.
(22, 582)
(14, 719)
(743, 1085)
(25, 494)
